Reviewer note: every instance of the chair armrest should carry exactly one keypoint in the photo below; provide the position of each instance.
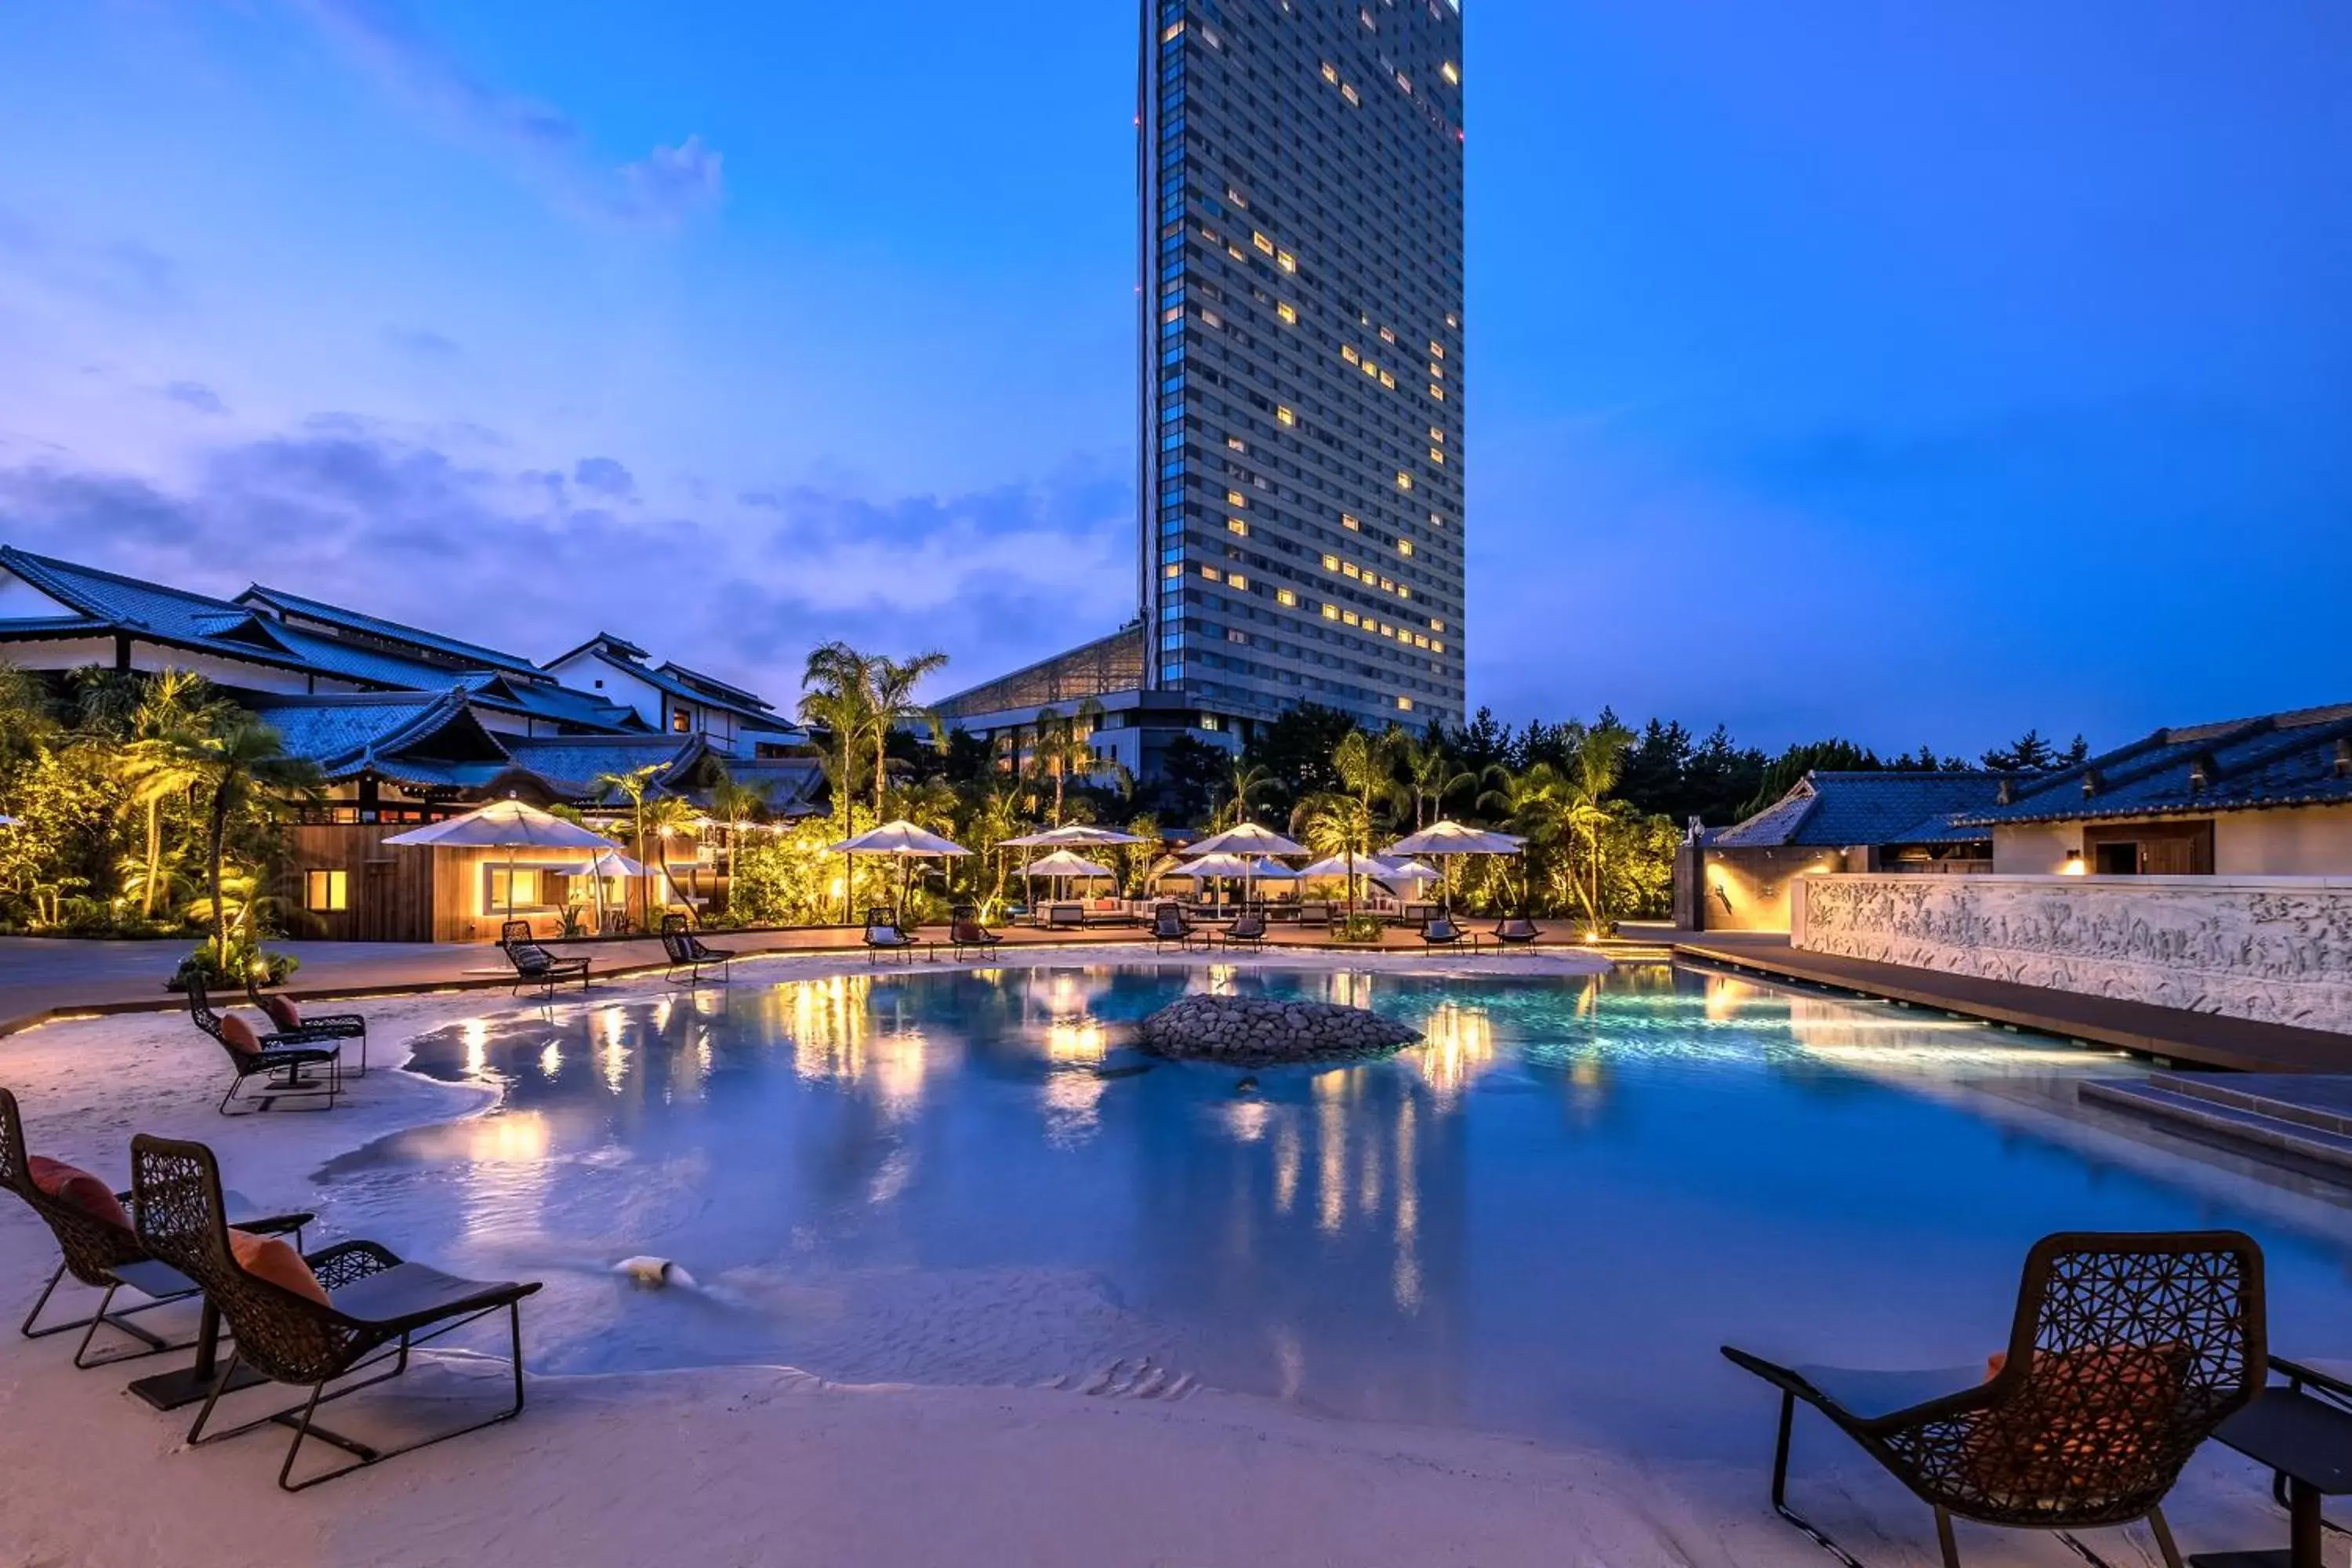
(2310, 1379)
(348, 1261)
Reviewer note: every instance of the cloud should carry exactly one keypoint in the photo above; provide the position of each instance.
(195, 394)
(605, 476)
(423, 342)
(122, 272)
(350, 510)
(664, 185)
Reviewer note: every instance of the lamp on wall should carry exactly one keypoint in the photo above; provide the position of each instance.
(2073, 865)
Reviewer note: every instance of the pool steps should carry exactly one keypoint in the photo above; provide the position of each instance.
(2309, 1119)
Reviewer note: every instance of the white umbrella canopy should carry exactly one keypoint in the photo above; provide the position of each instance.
(1266, 871)
(1213, 866)
(1371, 866)
(1453, 838)
(1078, 834)
(900, 838)
(1249, 839)
(1062, 863)
(509, 825)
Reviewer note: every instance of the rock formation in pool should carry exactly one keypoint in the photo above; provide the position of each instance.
(1257, 1030)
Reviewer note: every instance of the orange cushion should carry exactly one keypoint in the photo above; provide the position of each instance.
(269, 1258)
(2084, 1423)
(282, 1011)
(239, 1034)
(71, 1184)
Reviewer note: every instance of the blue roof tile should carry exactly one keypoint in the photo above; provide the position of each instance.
(1847, 809)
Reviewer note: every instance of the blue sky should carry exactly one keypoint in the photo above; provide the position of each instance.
(1916, 374)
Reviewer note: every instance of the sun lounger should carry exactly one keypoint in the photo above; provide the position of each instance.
(350, 1315)
(1169, 924)
(1442, 930)
(292, 1025)
(688, 955)
(1517, 930)
(2126, 1352)
(1248, 930)
(883, 934)
(533, 965)
(98, 1246)
(967, 935)
(287, 1066)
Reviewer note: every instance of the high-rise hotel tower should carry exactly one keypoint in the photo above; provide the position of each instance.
(1302, 369)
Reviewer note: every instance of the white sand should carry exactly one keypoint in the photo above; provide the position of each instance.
(753, 1465)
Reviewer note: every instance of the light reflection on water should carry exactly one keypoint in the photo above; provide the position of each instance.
(1540, 1218)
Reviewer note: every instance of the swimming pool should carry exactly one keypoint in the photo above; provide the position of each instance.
(1542, 1221)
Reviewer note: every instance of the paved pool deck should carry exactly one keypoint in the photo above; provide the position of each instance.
(2173, 1035)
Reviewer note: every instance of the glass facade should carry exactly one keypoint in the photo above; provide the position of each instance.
(1300, 165)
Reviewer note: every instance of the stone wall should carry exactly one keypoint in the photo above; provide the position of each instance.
(2273, 948)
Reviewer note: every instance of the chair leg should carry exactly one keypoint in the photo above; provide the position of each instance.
(1944, 1541)
(48, 1290)
(1780, 1490)
(2163, 1533)
(220, 1383)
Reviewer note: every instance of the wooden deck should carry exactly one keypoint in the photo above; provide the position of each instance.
(2170, 1035)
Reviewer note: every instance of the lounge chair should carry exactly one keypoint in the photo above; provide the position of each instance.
(280, 1062)
(685, 952)
(2128, 1349)
(307, 1320)
(883, 934)
(533, 965)
(292, 1025)
(1169, 924)
(1315, 912)
(967, 935)
(1517, 930)
(1248, 930)
(1442, 930)
(98, 1245)
(1065, 917)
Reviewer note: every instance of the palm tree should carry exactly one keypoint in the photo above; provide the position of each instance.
(836, 690)
(1065, 746)
(735, 804)
(1331, 824)
(1430, 777)
(635, 786)
(164, 760)
(1247, 784)
(890, 697)
(1365, 769)
(243, 762)
(666, 817)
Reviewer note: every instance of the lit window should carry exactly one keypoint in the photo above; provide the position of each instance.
(1452, 320)
(1262, 243)
(1437, 626)
(1437, 434)
(1404, 480)
(1289, 314)
(1421, 639)
(1330, 563)
(1349, 523)
(1211, 319)
(1174, 313)
(1286, 261)
(1284, 597)
(1211, 721)
(1405, 704)
(1386, 586)
(1452, 73)
(1437, 391)
(1286, 416)
(1349, 568)
(1387, 336)
(1174, 30)
(1436, 646)
(1436, 349)
(1387, 630)
(1236, 525)
(1437, 371)
(1404, 547)
(1237, 444)
(1330, 73)
(1347, 352)
(1388, 381)
(1213, 574)
(523, 891)
(1234, 633)
(1235, 498)
(326, 891)
(1349, 616)
(1403, 592)
(1348, 93)
(1330, 612)
(1437, 455)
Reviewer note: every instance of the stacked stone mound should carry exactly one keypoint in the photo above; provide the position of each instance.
(1256, 1031)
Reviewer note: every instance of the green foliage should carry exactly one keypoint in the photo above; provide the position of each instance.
(1296, 750)
(785, 878)
(1821, 756)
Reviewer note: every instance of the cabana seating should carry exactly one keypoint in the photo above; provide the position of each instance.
(2126, 1352)
(99, 1248)
(334, 1315)
(1315, 912)
(687, 953)
(533, 965)
(292, 1025)
(883, 934)
(966, 935)
(1066, 916)
(278, 1060)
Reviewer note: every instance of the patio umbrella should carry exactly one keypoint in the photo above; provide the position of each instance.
(1208, 868)
(1063, 838)
(904, 841)
(509, 825)
(1448, 838)
(1061, 863)
(1248, 839)
(608, 862)
(1369, 866)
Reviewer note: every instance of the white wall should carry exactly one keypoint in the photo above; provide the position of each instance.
(2034, 848)
(2301, 841)
(2269, 947)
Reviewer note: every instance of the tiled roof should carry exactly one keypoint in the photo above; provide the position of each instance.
(471, 654)
(2301, 758)
(415, 737)
(1844, 809)
(570, 764)
(124, 604)
(714, 686)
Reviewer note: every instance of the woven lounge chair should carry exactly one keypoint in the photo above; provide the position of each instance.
(99, 1246)
(967, 935)
(1169, 924)
(1517, 930)
(379, 1308)
(1442, 930)
(533, 965)
(293, 1026)
(686, 953)
(2128, 1349)
(287, 1066)
(1248, 930)
(883, 934)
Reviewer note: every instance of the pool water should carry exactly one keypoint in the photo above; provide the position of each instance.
(1543, 1220)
